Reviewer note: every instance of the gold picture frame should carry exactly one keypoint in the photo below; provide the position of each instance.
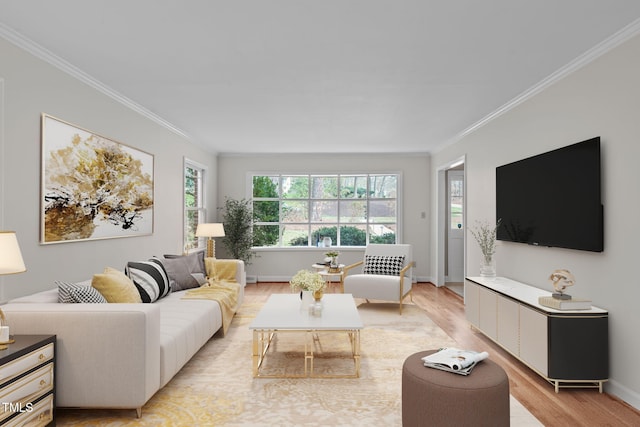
(91, 186)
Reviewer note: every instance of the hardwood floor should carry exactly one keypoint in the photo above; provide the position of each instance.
(570, 407)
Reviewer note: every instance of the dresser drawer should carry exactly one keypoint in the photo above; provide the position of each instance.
(18, 394)
(40, 414)
(26, 362)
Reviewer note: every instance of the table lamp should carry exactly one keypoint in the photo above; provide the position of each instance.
(210, 230)
(10, 263)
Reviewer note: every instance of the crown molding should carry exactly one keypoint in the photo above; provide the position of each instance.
(320, 154)
(40, 52)
(589, 56)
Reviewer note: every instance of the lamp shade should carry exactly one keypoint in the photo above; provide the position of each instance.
(212, 229)
(10, 256)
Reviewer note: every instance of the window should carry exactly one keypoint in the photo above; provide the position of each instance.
(300, 210)
(456, 197)
(194, 203)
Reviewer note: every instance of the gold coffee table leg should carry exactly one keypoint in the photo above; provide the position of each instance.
(255, 353)
(356, 354)
(261, 342)
(263, 338)
(308, 354)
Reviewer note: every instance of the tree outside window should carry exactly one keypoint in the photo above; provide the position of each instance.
(302, 209)
(194, 204)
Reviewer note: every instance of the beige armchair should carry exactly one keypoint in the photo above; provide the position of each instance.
(386, 274)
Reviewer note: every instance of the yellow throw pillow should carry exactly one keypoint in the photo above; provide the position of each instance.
(115, 286)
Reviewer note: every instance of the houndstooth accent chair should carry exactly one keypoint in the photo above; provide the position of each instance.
(386, 274)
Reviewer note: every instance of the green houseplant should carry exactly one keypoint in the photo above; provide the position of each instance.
(237, 218)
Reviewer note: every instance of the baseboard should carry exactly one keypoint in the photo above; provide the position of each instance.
(623, 393)
(287, 278)
(272, 278)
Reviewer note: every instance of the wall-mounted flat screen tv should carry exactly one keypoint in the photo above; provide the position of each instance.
(553, 199)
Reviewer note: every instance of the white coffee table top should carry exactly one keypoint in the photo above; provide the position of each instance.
(284, 311)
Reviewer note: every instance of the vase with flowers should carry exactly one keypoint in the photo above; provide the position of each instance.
(485, 235)
(333, 264)
(308, 282)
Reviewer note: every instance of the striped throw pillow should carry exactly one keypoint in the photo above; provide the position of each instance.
(150, 277)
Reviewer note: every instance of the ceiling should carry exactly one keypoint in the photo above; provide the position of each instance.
(304, 76)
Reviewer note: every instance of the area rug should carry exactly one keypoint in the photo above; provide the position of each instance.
(216, 388)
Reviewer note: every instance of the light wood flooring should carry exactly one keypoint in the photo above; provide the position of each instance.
(570, 407)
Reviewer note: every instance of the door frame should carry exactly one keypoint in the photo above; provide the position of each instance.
(441, 221)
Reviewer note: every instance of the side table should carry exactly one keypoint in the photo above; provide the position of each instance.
(27, 381)
(324, 271)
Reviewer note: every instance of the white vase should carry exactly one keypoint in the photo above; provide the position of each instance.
(488, 267)
(306, 299)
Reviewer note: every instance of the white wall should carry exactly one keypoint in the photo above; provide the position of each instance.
(601, 99)
(281, 264)
(32, 87)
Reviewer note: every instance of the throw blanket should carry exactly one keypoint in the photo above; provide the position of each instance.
(221, 269)
(221, 287)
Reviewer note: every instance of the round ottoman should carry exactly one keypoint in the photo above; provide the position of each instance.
(431, 397)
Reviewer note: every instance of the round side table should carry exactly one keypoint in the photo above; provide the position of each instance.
(324, 271)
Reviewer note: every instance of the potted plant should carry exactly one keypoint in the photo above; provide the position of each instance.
(237, 218)
(333, 265)
(485, 235)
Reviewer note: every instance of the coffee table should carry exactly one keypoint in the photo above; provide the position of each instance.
(282, 313)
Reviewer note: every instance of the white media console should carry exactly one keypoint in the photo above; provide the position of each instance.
(569, 348)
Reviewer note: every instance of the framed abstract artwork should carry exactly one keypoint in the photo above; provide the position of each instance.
(92, 187)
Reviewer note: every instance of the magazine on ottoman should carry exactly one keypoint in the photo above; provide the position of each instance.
(454, 360)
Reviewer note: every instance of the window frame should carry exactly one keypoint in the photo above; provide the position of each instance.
(311, 224)
(200, 206)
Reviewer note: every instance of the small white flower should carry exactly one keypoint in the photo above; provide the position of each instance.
(306, 280)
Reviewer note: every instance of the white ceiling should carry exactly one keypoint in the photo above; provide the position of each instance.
(304, 76)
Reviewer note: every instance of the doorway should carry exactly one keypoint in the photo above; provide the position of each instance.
(451, 226)
(454, 239)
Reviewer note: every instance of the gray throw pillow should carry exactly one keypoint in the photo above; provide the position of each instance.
(195, 261)
(201, 278)
(181, 270)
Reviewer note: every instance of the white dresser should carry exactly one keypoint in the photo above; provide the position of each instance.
(27, 381)
(569, 348)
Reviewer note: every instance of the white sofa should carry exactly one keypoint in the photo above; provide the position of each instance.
(118, 355)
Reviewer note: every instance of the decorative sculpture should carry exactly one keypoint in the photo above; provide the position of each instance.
(562, 279)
